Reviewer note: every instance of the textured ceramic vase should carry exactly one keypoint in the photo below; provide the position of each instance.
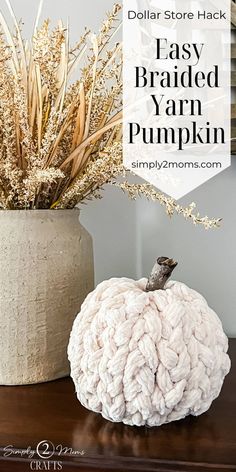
(46, 271)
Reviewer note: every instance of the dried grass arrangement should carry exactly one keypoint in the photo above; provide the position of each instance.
(61, 142)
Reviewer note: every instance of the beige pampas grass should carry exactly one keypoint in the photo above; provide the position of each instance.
(61, 142)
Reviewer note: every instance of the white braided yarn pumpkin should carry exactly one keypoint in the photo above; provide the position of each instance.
(147, 358)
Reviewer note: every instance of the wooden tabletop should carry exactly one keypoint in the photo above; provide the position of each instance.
(50, 412)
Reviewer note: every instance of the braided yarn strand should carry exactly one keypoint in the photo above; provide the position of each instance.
(147, 358)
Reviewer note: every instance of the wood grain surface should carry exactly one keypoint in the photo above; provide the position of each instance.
(50, 411)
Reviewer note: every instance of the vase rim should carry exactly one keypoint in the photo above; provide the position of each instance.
(53, 215)
(40, 211)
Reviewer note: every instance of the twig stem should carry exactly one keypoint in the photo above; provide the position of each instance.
(161, 272)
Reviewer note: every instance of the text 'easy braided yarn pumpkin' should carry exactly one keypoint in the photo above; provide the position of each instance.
(147, 352)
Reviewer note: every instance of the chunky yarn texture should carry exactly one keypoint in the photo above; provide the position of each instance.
(147, 358)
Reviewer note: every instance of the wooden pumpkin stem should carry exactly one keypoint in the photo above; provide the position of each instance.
(161, 272)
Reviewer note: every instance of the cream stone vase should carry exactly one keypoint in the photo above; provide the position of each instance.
(46, 271)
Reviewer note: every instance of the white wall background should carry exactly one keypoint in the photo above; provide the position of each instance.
(140, 232)
(128, 236)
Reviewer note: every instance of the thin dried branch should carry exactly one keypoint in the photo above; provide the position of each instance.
(171, 206)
